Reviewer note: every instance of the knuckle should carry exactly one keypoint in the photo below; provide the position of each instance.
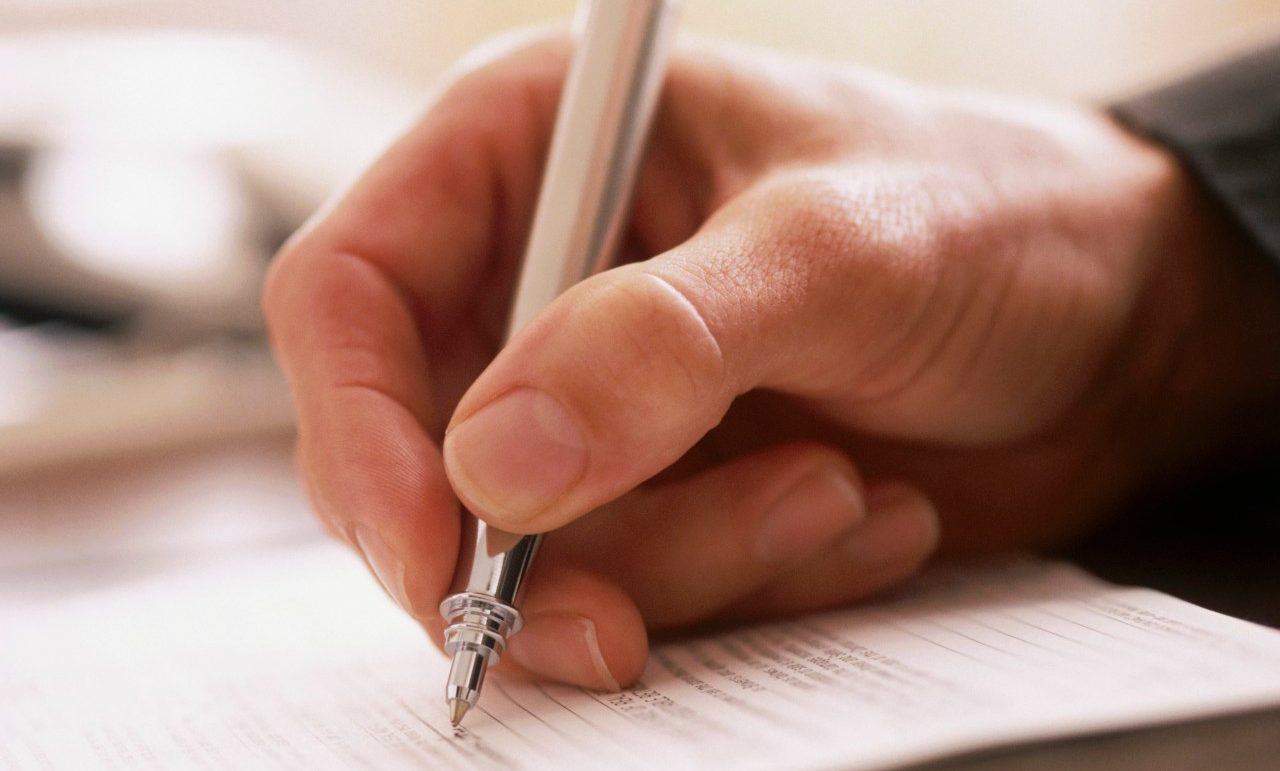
(507, 59)
(656, 336)
(811, 215)
(847, 251)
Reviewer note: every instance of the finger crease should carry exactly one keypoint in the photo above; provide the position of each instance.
(717, 356)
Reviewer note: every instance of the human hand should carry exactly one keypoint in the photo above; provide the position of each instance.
(855, 316)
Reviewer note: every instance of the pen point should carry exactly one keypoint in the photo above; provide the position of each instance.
(457, 708)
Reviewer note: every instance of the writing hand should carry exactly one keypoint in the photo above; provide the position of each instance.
(855, 317)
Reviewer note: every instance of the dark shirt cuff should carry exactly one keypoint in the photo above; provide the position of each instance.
(1224, 124)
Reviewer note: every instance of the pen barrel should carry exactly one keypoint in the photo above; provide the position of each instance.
(606, 106)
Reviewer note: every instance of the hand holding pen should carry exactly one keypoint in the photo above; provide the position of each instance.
(852, 316)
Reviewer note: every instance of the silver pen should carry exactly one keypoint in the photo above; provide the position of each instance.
(604, 115)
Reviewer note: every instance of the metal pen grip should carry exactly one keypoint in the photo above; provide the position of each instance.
(493, 561)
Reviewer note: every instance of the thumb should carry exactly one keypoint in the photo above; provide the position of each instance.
(626, 371)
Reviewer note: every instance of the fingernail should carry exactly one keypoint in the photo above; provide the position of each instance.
(384, 563)
(901, 525)
(565, 647)
(808, 516)
(515, 457)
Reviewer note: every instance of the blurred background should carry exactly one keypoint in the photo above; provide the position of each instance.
(154, 153)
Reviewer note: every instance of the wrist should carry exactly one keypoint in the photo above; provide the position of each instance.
(1208, 394)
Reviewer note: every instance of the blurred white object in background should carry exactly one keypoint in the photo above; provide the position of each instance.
(147, 178)
(163, 167)
(163, 220)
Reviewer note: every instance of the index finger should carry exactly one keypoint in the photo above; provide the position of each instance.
(359, 300)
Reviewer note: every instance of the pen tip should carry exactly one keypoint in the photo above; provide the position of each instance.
(457, 708)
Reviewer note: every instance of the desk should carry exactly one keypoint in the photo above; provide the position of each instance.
(130, 519)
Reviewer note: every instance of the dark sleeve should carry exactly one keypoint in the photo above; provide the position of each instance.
(1224, 124)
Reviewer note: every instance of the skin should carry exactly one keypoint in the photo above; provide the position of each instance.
(858, 322)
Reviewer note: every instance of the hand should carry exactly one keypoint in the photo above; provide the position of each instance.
(854, 316)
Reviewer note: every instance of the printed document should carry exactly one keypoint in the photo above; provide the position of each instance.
(290, 657)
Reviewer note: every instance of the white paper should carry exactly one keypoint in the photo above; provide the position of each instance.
(290, 658)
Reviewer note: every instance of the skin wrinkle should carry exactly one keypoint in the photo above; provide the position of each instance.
(1071, 279)
(1149, 368)
(641, 341)
(998, 306)
(1080, 300)
(923, 349)
(398, 463)
(760, 273)
(959, 240)
(955, 313)
(361, 386)
(1091, 296)
(877, 270)
(811, 279)
(715, 363)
